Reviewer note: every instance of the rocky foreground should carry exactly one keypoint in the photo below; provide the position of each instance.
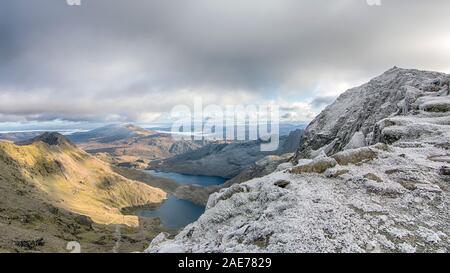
(372, 174)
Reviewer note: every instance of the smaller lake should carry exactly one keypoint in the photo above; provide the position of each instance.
(174, 213)
(189, 179)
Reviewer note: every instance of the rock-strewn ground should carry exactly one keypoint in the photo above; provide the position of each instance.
(391, 196)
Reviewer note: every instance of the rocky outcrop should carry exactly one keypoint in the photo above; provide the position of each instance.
(388, 191)
(260, 168)
(290, 143)
(182, 147)
(355, 156)
(353, 119)
(318, 165)
(50, 138)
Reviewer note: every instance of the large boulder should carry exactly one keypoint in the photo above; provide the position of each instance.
(318, 165)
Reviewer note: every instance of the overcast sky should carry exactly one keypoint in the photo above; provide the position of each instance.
(133, 60)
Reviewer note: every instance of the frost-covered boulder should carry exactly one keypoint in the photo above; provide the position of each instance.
(318, 165)
(436, 104)
(358, 140)
(355, 156)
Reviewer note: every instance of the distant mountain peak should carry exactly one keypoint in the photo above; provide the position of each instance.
(50, 138)
(110, 133)
(138, 130)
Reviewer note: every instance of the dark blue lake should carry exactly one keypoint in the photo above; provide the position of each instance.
(176, 213)
(189, 179)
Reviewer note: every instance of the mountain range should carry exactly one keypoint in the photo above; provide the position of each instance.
(129, 145)
(225, 159)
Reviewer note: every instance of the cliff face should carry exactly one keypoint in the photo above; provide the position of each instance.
(351, 121)
(371, 175)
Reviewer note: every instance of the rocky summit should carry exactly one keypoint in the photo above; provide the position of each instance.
(50, 138)
(370, 175)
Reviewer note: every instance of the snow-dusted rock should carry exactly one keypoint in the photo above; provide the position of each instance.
(319, 213)
(284, 166)
(318, 165)
(358, 140)
(355, 156)
(168, 247)
(359, 109)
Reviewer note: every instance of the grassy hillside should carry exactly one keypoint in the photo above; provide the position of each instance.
(74, 180)
(52, 189)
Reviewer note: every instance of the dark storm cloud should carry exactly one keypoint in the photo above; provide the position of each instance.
(131, 60)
